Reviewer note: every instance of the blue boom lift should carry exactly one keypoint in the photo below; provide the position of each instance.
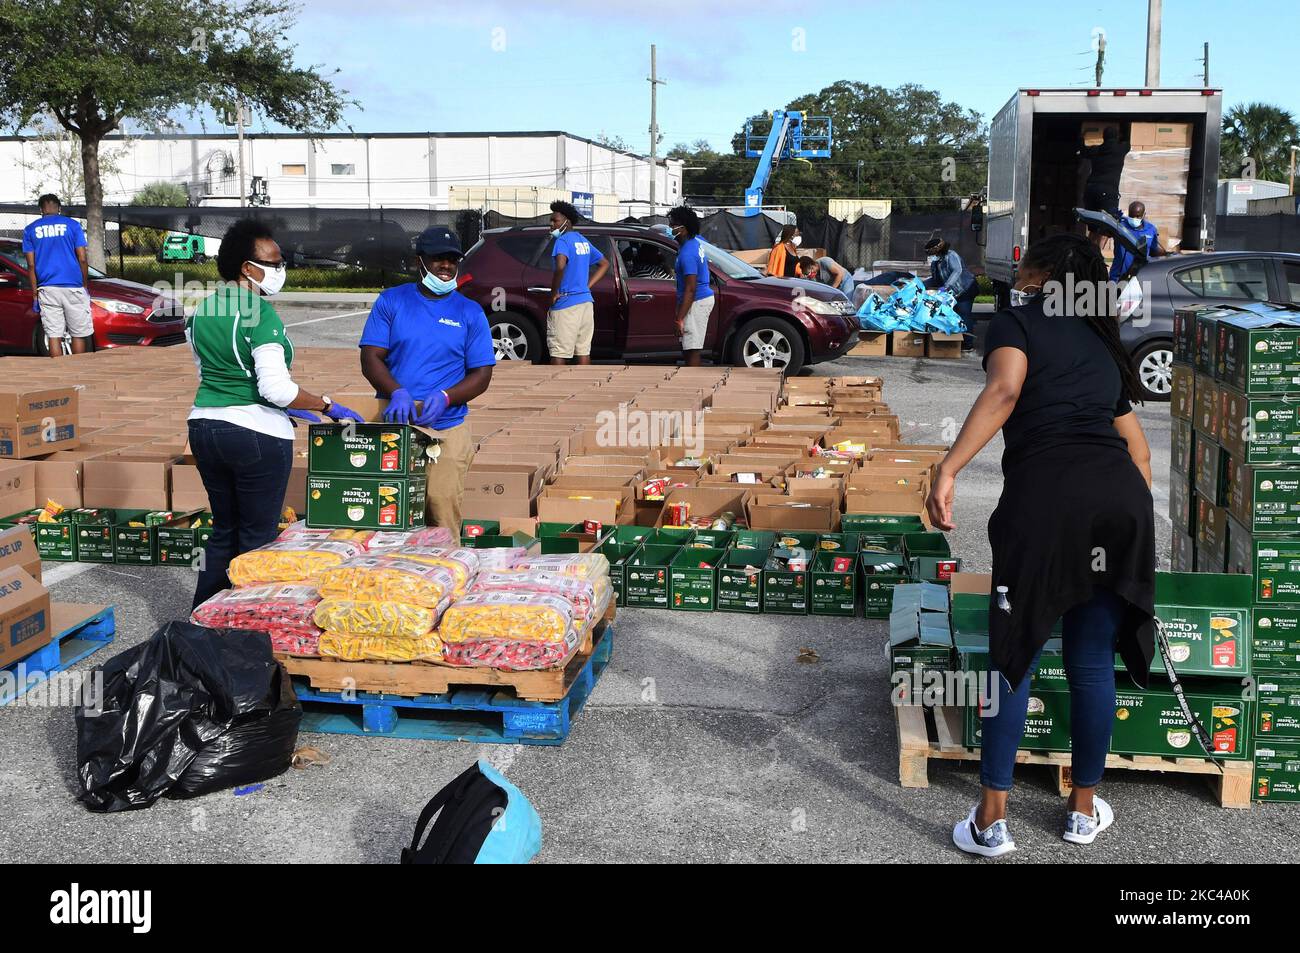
(792, 136)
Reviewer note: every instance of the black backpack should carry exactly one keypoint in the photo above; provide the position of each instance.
(466, 808)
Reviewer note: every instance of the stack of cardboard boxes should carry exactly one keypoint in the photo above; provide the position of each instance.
(1235, 498)
(1155, 172)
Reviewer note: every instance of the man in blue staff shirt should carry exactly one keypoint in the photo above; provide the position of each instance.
(694, 296)
(55, 247)
(1148, 237)
(578, 265)
(425, 343)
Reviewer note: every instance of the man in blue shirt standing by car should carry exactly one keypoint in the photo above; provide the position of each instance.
(425, 343)
(1148, 237)
(578, 265)
(694, 296)
(55, 247)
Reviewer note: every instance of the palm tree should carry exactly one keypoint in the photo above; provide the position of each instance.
(1262, 133)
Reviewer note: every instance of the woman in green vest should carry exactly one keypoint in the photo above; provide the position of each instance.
(241, 434)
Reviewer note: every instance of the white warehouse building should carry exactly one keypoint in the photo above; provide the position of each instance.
(515, 173)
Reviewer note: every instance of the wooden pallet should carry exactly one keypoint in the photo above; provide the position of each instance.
(432, 678)
(936, 733)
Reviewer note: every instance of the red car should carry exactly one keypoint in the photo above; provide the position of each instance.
(124, 312)
(757, 321)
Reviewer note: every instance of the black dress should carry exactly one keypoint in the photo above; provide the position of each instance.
(1075, 511)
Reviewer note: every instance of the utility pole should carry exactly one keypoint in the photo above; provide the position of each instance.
(1205, 61)
(1101, 57)
(239, 126)
(655, 83)
(1291, 180)
(1153, 44)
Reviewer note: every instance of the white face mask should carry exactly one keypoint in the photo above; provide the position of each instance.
(1135, 222)
(272, 279)
(1022, 296)
(932, 259)
(797, 241)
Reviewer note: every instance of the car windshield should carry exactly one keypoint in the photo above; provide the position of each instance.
(729, 265)
(16, 258)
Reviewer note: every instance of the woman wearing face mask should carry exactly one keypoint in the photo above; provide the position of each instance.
(783, 259)
(240, 431)
(426, 343)
(1073, 535)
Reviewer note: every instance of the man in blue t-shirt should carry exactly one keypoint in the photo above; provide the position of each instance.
(425, 343)
(694, 296)
(1147, 233)
(577, 266)
(55, 247)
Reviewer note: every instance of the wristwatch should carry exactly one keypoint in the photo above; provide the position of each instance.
(328, 404)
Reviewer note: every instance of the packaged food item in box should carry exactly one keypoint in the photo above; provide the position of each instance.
(388, 578)
(573, 564)
(377, 648)
(511, 655)
(274, 607)
(513, 616)
(589, 596)
(424, 537)
(462, 563)
(290, 560)
(390, 619)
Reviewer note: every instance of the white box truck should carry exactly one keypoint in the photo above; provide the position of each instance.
(1037, 177)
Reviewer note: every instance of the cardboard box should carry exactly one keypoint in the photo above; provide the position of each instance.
(1211, 536)
(24, 615)
(1277, 771)
(1276, 641)
(37, 420)
(709, 502)
(1207, 411)
(295, 491)
(944, 346)
(366, 449)
(1276, 563)
(805, 512)
(353, 502)
(1182, 395)
(1207, 340)
(18, 548)
(1260, 430)
(1185, 335)
(1210, 468)
(18, 486)
(1182, 441)
(740, 581)
(127, 481)
(188, 492)
(1259, 354)
(1182, 505)
(1206, 618)
(1263, 500)
(646, 574)
(1182, 557)
(577, 504)
(1278, 708)
(834, 591)
(693, 579)
(907, 344)
(870, 344)
(179, 541)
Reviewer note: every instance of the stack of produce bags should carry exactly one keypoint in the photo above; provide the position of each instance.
(385, 607)
(283, 611)
(532, 615)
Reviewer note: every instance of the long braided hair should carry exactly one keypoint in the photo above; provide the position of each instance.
(1073, 260)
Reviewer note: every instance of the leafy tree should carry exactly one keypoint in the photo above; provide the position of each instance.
(94, 64)
(1261, 133)
(905, 144)
(53, 161)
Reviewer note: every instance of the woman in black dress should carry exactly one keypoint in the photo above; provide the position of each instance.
(1073, 535)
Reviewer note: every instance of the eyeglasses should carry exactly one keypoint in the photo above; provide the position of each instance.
(266, 264)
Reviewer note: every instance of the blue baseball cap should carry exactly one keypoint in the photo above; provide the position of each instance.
(437, 241)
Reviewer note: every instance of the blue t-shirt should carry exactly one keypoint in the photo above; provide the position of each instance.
(1123, 257)
(431, 342)
(581, 255)
(691, 261)
(53, 240)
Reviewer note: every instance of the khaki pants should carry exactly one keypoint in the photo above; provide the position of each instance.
(445, 479)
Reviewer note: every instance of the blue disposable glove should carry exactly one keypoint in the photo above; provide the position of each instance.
(338, 412)
(306, 415)
(36, 305)
(401, 408)
(433, 408)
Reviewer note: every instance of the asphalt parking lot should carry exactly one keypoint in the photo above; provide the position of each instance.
(705, 740)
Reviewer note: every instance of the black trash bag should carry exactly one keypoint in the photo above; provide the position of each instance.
(168, 701)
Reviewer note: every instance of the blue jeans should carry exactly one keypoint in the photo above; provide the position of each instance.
(1088, 636)
(245, 474)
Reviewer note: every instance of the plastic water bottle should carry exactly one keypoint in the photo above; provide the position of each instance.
(1003, 602)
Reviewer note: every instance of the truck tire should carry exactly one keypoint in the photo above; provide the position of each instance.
(768, 342)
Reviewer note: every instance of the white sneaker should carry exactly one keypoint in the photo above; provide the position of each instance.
(1082, 829)
(994, 841)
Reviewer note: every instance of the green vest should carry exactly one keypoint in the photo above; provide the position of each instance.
(223, 332)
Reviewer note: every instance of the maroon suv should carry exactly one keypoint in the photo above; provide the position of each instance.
(758, 321)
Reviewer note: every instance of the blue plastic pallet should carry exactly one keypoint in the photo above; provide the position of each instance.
(490, 716)
(66, 649)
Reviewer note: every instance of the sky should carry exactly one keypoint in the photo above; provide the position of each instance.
(581, 65)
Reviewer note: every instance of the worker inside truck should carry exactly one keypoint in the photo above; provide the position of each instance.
(1101, 193)
(1147, 235)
